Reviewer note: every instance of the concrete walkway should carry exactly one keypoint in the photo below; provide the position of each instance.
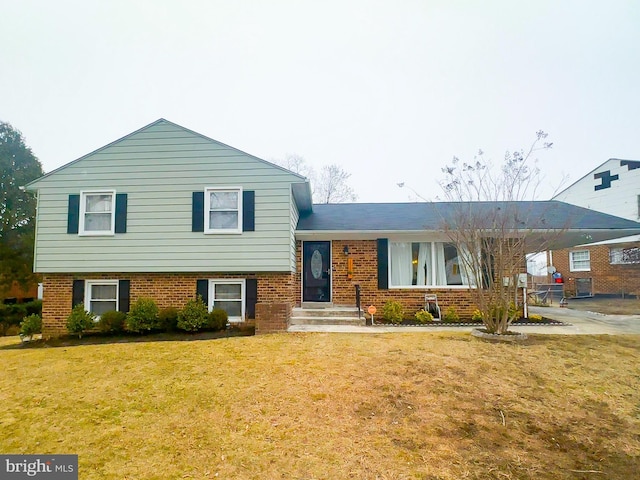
(581, 323)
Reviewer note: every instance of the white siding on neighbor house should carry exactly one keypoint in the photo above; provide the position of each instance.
(158, 168)
(620, 198)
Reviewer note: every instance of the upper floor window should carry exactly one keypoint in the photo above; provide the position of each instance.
(97, 213)
(223, 210)
(580, 261)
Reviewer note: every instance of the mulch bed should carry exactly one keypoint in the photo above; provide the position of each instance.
(520, 321)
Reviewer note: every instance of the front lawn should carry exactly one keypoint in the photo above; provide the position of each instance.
(329, 406)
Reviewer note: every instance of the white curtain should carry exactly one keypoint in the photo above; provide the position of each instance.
(441, 269)
(424, 264)
(464, 257)
(401, 266)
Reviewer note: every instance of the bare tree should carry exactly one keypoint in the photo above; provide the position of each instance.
(331, 186)
(494, 226)
(297, 164)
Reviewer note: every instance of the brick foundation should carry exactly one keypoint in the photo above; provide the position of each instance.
(167, 289)
(272, 317)
(606, 278)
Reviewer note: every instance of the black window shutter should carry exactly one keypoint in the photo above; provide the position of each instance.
(78, 293)
(251, 294)
(248, 211)
(383, 264)
(124, 297)
(202, 289)
(197, 212)
(73, 214)
(121, 213)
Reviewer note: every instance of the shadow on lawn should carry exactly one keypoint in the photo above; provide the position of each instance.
(101, 339)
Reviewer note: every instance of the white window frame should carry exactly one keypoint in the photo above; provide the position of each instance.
(572, 266)
(617, 256)
(83, 211)
(433, 260)
(207, 207)
(228, 281)
(88, 284)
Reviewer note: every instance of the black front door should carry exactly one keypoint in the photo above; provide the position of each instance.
(316, 271)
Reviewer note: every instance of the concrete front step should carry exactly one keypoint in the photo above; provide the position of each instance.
(327, 316)
(325, 312)
(327, 321)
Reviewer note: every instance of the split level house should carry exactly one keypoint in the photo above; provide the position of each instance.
(167, 213)
(610, 267)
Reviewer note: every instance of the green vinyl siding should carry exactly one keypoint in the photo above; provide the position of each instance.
(159, 168)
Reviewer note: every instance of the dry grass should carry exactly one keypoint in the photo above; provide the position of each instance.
(331, 406)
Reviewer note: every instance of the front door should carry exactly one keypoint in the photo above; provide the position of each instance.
(316, 271)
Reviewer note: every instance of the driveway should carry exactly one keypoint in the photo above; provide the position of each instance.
(584, 322)
(581, 323)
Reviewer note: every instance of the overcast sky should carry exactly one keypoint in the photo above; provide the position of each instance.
(389, 90)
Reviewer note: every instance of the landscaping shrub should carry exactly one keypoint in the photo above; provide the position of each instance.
(422, 316)
(535, 317)
(80, 320)
(33, 307)
(168, 319)
(477, 316)
(11, 315)
(112, 322)
(193, 316)
(143, 316)
(217, 319)
(451, 316)
(393, 312)
(31, 325)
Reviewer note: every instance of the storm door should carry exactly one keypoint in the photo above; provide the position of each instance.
(316, 271)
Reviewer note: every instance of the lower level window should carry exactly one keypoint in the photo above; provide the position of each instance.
(426, 263)
(101, 296)
(229, 296)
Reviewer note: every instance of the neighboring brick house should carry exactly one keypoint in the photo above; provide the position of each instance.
(610, 267)
(168, 213)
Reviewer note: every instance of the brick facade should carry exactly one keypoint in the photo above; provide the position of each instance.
(365, 274)
(606, 278)
(167, 289)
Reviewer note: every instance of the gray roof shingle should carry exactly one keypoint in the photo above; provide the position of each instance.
(433, 216)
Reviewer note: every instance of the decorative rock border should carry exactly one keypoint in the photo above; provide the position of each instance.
(494, 337)
(544, 323)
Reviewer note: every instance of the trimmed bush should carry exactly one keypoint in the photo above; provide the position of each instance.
(11, 315)
(477, 316)
(33, 307)
(217, 319)
(143, 316)
(193, 316)
(451, 316)
(112, 322)
(422, 316)
(80, 320)
(392, 312)
(168, 319)
(31, 325)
